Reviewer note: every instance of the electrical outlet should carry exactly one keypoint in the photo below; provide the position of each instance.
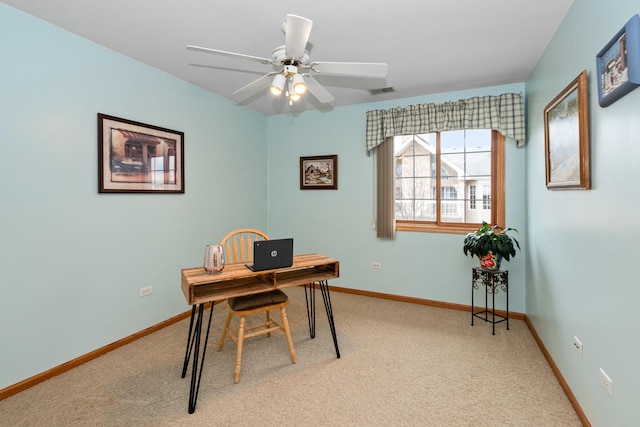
(148, 290)
(606, 382)
(577, 344)
(376, 265)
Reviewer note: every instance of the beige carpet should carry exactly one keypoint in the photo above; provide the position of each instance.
(402, 364)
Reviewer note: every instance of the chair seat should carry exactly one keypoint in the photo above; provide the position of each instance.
(250, 302)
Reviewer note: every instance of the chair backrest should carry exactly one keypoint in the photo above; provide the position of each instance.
(238, 245)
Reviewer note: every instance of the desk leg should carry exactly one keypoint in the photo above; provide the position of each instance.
(310, 299)
(194, 344)
(187, 354)
(324, 288)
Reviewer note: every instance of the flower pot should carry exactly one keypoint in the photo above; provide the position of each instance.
(491, 261)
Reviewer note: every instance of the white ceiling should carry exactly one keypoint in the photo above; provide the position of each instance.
(431, 46)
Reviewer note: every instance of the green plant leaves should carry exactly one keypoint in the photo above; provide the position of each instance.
(490, 239)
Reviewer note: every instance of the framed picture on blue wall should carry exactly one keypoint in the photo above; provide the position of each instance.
(566, 137)
(135, 157)
(319, 172)
(619, 64)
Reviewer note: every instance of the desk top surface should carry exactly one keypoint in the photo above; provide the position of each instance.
(236, 279)
(197, 275)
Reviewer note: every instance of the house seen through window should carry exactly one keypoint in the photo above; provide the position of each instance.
(441, 176)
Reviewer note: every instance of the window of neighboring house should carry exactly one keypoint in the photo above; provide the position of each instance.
(486, 197)
(472, 196)
(437, 176)
(449, 199)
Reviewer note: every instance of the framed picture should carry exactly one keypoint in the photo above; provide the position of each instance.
(135, 157)
(566, 137)
(618, 64)
(319, 172)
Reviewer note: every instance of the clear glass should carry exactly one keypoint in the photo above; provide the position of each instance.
(213, 259)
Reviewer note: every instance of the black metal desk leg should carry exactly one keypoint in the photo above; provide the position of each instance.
(187, 353)
(324, 288)
(310, 299)
(196, 371)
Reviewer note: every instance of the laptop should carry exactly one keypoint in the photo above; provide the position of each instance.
(270, 254)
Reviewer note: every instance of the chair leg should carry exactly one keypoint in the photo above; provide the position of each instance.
(287, 332)
(224, 331)
(239, 350)
(268, 314)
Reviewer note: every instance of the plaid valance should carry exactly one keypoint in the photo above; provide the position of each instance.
(503, 113)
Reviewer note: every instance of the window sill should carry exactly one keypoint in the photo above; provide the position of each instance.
(426, 227)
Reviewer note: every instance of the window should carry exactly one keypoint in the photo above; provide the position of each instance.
(472, 196)
(133, 151)
(449, 208)
(486, 197)
(438, 177)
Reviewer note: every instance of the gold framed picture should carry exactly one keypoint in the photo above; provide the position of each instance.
(566, 137)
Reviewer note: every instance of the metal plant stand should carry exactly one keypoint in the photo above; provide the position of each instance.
(493, 281)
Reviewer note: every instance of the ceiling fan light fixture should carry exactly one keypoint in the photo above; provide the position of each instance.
(299, 87)
(277, 84)
(295, 66)
(291, 93)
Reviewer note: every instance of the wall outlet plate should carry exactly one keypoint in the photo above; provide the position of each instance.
(577, 344)
(148, 290)
(606, 382)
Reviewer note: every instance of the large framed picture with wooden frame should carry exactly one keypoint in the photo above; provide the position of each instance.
(566, 137)
(135, 157)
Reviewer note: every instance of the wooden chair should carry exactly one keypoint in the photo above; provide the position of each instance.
(238, 247)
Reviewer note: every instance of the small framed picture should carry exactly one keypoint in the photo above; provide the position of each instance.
(319, 172)
(618, 64)
(566, 137)
(135, 157)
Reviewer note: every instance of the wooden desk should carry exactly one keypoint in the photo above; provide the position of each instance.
(200, 287)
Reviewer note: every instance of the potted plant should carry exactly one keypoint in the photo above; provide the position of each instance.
(490, 244)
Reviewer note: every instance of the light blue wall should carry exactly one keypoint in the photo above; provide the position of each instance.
(338, 223)
(582, 245)
(72, 260)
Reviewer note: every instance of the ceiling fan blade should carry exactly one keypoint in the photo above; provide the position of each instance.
(296, 35)
(230, 54)
(256, 84)
(317, 90)
(352, 69)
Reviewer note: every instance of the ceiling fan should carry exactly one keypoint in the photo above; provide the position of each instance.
(294, 67)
